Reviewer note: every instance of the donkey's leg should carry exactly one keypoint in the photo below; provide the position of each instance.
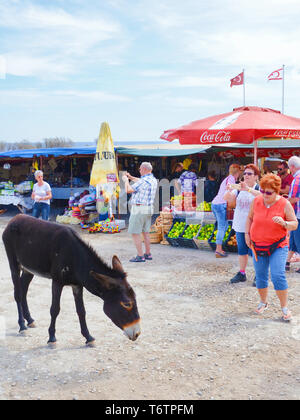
(25, 282)
(15, 275)
(54, 311)
(80, 309)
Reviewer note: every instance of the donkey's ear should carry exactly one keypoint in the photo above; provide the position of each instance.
(105, 281)
(116, 264)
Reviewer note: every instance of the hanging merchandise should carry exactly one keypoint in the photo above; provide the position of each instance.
(52, 164)
(35, 164)
(214, 166)
(186, 163)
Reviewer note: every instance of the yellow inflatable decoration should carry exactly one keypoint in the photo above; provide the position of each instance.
(104, 175)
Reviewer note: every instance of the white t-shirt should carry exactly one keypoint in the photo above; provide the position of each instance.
(243, 203)
(41, 191)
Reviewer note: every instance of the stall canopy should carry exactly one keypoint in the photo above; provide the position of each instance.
(59, 151)
(156, 150)
(242, 125)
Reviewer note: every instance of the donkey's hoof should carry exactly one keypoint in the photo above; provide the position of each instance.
(91, 344)
(52, 344)
(32, 325)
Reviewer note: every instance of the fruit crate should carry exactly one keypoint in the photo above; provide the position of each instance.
(188, 242)
(203, 243)
(230, 248)
(213, 244)
(174, 241)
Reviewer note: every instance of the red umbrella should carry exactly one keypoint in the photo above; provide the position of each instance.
(242, 125)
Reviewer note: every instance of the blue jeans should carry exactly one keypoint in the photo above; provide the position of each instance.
(295, 239)
(241, 244)
(276, 264)
(41, 209)
(219, 210)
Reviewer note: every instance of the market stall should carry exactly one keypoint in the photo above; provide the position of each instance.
(65, 169)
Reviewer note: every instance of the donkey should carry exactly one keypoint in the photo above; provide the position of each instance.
(57, 252)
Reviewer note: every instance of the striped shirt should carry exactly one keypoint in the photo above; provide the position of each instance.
(295, 192)
(144, 190)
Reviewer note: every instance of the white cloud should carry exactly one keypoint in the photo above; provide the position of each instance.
(24, 96)
(51, 41)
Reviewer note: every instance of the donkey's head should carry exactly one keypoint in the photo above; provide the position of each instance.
(119, 300)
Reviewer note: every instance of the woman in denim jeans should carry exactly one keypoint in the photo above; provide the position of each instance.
(219, 207)
(41, 195)
(270, 217)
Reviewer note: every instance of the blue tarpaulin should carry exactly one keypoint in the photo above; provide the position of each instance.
(55, 151)
(91, 150)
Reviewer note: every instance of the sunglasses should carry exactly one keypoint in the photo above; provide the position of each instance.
(267, 192)
(248, 173)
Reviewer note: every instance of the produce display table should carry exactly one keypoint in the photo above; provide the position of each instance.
(23, 203)
(65, 193)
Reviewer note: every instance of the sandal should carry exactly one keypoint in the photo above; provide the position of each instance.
(287, 315)
(221, 254)
(137, 259)
(261, 308)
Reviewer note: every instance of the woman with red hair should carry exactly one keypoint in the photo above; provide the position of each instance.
(270, 217)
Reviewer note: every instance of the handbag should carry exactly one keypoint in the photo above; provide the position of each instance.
(266, 250)
(230, 208)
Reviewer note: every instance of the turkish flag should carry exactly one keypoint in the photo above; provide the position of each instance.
(275, 75)
(237, 80)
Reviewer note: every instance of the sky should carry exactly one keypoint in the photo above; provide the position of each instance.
(144, 66)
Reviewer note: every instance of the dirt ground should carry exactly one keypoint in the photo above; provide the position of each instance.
(200, 337)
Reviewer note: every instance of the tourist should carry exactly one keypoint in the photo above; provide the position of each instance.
(241, 200)
(294, 199)
(210, 187)
(143, 194)
(41, 194)
(219, 207)
(188, 182)
(270, 218)
(286, 178)
(177, 172)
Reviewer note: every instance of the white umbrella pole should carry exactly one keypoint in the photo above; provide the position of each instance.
(255, 152)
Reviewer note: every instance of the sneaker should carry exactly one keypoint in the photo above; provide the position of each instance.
(287, 266)
(148, 257)
(287, 315)
(261, 308)
(221, 254)
(137, 259)
(239, 277)
(254, 282)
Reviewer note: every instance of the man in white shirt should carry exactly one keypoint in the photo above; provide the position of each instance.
(143, 194)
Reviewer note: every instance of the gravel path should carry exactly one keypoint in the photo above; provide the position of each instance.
(200, 338)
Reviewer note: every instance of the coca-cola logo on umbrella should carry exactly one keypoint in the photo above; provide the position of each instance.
(219, 137)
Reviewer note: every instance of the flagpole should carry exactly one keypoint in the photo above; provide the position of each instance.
(244, 87)
(282, 89)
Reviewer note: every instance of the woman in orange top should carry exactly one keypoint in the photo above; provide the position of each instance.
(270, 218)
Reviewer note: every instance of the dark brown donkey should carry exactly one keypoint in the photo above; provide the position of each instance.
(50, 250)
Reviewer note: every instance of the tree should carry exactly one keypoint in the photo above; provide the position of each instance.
(58, 142)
